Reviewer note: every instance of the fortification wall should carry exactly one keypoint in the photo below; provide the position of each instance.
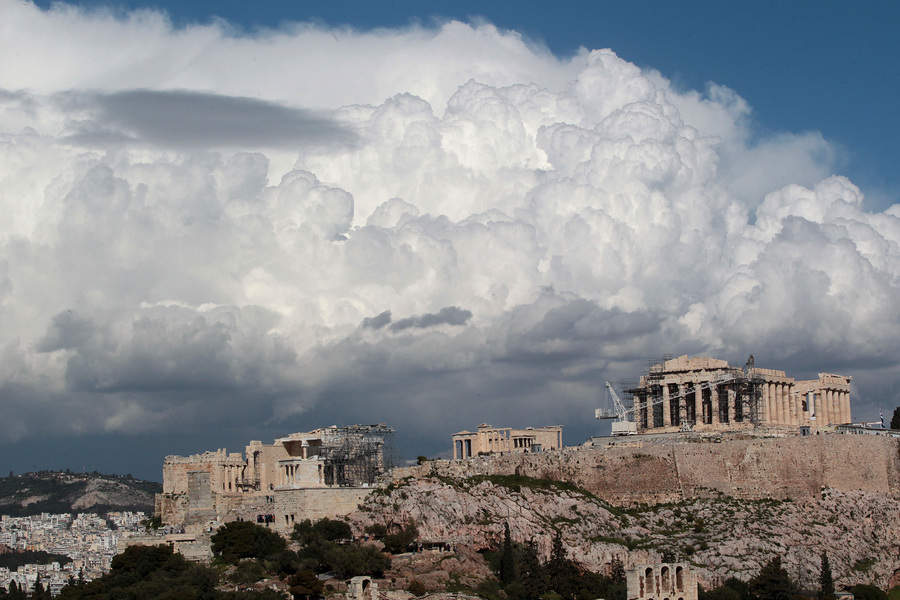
(654, 471)
(293, 506)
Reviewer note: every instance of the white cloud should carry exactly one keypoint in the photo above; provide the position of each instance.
(474, 229)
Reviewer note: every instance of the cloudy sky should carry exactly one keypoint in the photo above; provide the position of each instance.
(228, 226)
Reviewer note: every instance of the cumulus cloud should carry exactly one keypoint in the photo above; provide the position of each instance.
(485, 241)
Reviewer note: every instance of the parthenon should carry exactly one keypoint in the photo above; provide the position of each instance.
(706, 394)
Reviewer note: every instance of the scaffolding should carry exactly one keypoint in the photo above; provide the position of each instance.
(739, 388)
(357, 455)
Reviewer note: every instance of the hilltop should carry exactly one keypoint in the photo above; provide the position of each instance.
(68, 492)
(727, 506)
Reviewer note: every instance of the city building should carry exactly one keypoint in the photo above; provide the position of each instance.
(490, 440)
(706, 394)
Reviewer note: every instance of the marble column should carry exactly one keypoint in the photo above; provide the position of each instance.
(667, 407)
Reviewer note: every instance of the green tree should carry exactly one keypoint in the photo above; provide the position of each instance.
(532, 573)
(772, 582)
(349, 561)
(617, 570)
(329, 530)
(895, 419)
(150, 572)
(564, 574)
(395, 543)
(826, 582)
(243, 539)
(507, 559)
(865, 591)
(304, 585)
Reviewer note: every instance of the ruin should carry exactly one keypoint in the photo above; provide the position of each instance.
(490, 440)
(664, 581)
(326, 472)
(706, 394)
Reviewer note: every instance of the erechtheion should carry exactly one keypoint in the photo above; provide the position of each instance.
(490, 440)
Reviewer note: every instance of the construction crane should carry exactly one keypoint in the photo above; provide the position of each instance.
(622, 425)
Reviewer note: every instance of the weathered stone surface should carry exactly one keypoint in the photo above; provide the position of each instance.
(726, 507)
(653, 471)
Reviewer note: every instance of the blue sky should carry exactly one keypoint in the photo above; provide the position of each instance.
(826, 66)
(227, 221)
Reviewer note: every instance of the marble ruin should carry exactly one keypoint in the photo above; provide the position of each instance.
(322, 473)
(664, 581)
(498, 440)
(706, 394)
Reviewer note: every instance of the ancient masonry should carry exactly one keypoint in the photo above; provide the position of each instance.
(675, 581)
(322, 473)
(647, 469)
(706, 394)
(488, 440)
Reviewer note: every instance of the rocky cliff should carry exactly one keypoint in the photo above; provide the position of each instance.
(727, 506)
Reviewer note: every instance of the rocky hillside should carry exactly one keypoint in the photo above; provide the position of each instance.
(63, 492)
(722, 536)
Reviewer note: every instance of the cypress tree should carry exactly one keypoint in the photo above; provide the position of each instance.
(895, 420)
(826, 582)
(507, 558)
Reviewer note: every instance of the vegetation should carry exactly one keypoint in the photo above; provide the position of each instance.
(156, 572)
(400, 541)
(243, 539)
(773, 583)
(14, 560)
(58, 490)
(826, 582)
(895, 419)
(324, 547)
(867, 592)
(521, 576)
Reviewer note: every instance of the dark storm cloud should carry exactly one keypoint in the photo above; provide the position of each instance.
(187, 119)
(450, 315)
(66, 331)
(378, 321)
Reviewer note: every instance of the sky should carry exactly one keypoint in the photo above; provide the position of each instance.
(226, 222)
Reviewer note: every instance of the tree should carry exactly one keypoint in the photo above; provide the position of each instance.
(564, 574)
(243, 539)
(396, 543)
(304, 584)
(534, 576)
(772, 582)
(895, 420)
(826, 582)
(507, 559)
(864, 591)
(328, 530)
(617, 571)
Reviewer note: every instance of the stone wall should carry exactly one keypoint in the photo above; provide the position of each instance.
(293, 506)
(653, 471)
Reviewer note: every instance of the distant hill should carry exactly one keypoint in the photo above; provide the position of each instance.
(67, 492)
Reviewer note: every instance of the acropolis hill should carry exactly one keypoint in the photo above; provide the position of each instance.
(727, 466)
(666, 470)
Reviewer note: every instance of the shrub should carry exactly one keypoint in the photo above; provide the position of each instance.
(416, 587)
